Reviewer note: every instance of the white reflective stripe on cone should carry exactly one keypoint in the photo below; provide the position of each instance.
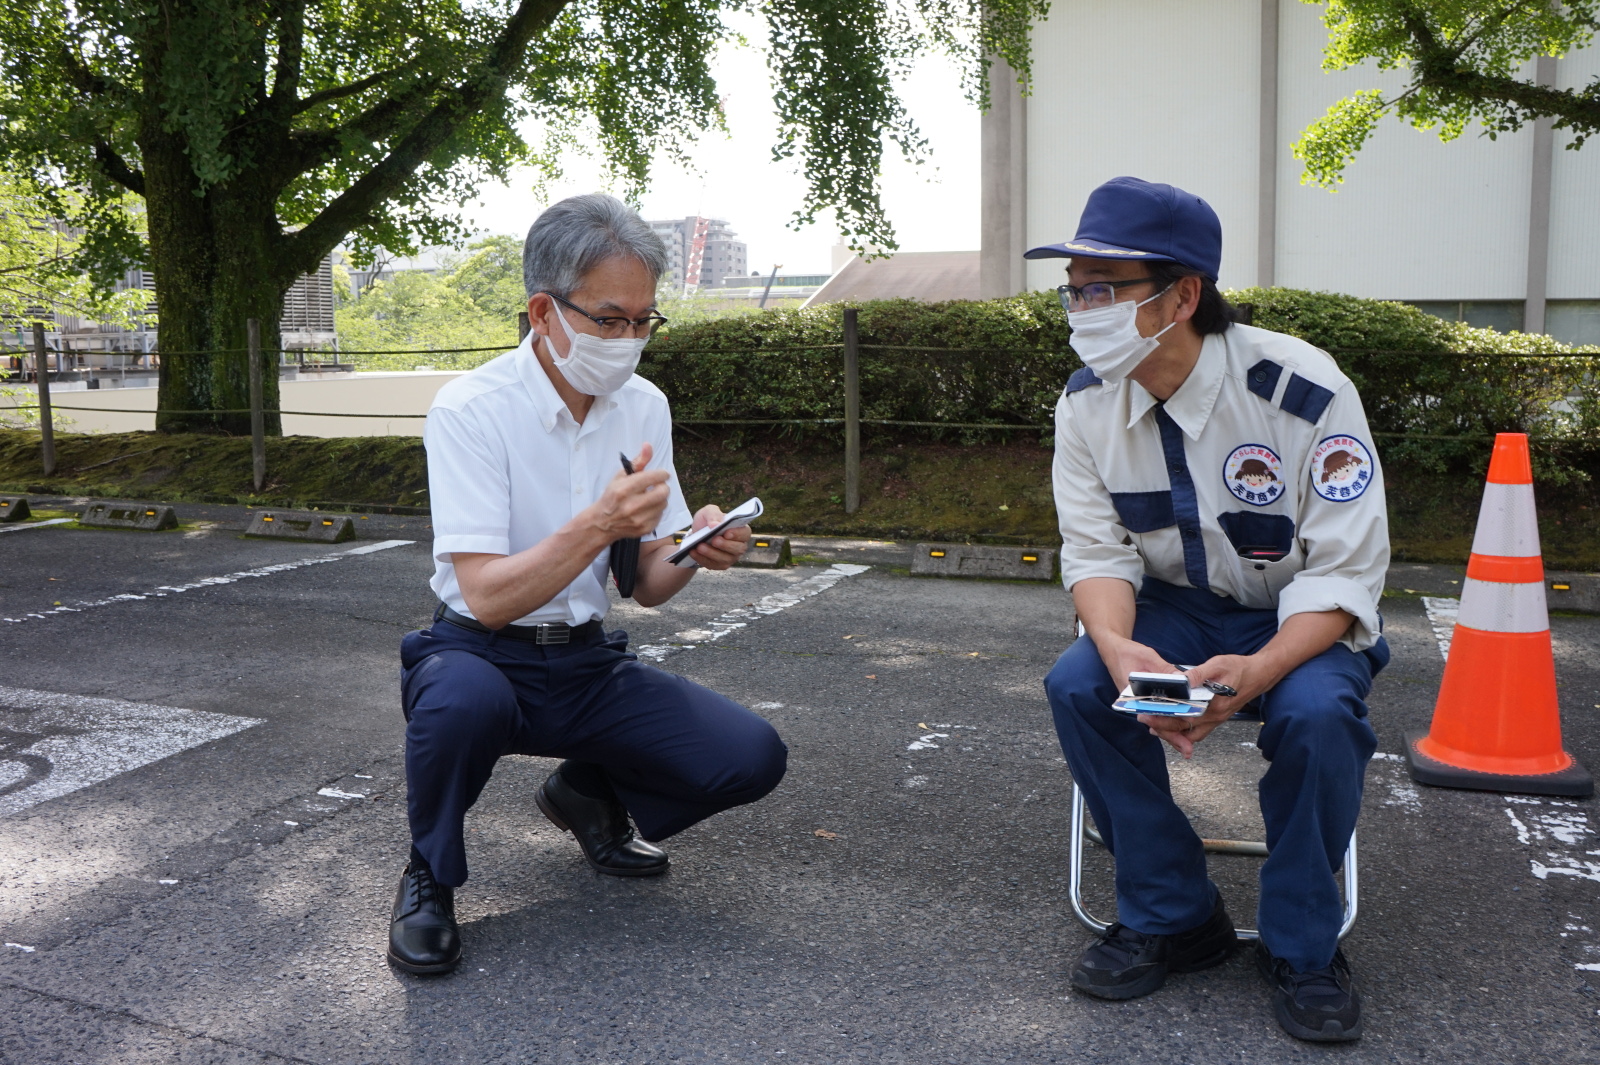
(1507, 522)
(1490, 606)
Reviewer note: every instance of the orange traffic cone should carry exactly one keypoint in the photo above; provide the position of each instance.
(1497, 724)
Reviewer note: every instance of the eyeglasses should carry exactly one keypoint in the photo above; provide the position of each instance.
(1095, 294)
(612, 328)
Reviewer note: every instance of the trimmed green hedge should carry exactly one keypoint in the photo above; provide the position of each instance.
(1006, 360)
(999, 383)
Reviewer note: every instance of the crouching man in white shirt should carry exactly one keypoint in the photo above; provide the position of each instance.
(528, 492)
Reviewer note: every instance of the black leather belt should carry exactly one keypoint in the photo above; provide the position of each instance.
(549, 633)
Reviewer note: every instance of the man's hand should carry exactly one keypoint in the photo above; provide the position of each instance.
(1123, 656)
(1301, 638)
(633, 502)
(1247, 674)
(722, 551)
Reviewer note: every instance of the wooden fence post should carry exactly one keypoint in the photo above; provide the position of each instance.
(852, 413)
(47, 429)
(258, 431)
(523, 327)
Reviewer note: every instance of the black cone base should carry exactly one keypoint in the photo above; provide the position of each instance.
(1573, 782)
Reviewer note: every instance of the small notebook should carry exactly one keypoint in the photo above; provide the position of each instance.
(737, 518)
(1193, 706)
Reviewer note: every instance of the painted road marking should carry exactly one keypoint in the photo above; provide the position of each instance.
(1564, 834)
(1442, 613)
(35, 525)
(52, 744)
(1559, 829)
(208, 582)
(736, 619)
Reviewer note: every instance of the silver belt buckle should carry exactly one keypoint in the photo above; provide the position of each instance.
(552, 632)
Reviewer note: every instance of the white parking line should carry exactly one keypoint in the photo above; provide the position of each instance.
(207, 582)
(52, 744)
(34, 525)
(1442, 612)
(736, 619)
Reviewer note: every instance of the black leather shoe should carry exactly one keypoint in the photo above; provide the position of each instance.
(423, 937)
(602, 829)
(1126, 964)
(1320, 1006)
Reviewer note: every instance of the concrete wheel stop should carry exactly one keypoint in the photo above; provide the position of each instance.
(147, 517)
(984, 561)
(306, 525)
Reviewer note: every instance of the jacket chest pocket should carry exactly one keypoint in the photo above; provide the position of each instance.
(1266, 548)
(1143, 512)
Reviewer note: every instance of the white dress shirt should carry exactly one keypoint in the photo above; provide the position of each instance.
(1257, 480)
(508, 466)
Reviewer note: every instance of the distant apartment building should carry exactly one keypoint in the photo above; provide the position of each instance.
(306, 324)
(721, 255)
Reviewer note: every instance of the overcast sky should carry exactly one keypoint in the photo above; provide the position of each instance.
(933, 208)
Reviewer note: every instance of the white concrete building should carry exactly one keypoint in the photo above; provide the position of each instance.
(1211, 96)
(721, 255)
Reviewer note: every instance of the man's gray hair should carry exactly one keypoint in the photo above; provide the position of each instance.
(578, 234)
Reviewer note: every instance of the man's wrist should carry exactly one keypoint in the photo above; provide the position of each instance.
(590, 532)
(1269, 666)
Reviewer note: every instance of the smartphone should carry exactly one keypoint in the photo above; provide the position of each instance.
(1164, 685)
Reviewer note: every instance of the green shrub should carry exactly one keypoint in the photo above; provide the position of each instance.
(1006, 360)
(1010, 367)
(1435, 391)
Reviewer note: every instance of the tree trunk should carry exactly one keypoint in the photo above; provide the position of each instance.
(216, 265)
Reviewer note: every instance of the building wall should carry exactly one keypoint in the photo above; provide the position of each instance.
(721, 257)
(1416, 218)
(1173, 91)
(1575, 209)
(1159, 89)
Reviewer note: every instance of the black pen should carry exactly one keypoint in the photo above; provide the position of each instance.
(627, 467)
(1215, 687)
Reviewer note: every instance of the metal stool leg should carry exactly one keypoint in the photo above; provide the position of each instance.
(1082, 832)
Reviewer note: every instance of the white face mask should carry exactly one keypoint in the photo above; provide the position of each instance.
(1107, 338)
(592, 365)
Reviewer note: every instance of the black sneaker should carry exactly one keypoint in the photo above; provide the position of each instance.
(1126, 964)
(1320, 1006)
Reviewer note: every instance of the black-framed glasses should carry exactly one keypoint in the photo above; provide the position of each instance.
(611, 327)
(1095, 293)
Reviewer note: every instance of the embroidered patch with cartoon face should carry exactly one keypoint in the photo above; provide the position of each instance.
(1254, 474)
(1341, 469)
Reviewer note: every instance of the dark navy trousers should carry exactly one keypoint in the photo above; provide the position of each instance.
(674, 752)
(1314, 733)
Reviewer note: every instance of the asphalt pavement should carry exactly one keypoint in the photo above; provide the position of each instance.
(202, 822)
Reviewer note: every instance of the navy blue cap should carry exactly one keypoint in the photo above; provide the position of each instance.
(1127, 218)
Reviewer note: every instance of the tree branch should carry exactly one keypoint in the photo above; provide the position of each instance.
(339, 92)
(80, 77)
(310, 148)
(304, 249)
(117, 169)
(1573, 109)
(291, 55)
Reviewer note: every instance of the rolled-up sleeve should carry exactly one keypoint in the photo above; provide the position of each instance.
(1346, 540)
(1094, 542)
(469, 489)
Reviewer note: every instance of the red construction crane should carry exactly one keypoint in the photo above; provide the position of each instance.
(697, 253)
